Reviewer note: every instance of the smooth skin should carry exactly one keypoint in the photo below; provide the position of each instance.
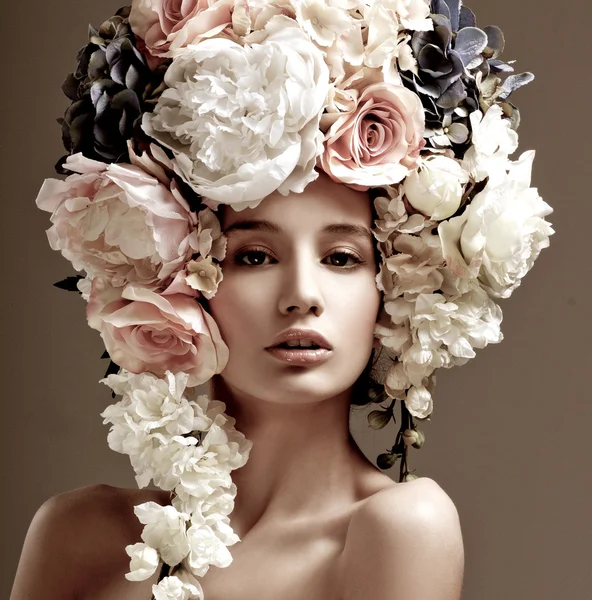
(317, 520)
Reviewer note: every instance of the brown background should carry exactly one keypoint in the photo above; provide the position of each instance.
(509, 437)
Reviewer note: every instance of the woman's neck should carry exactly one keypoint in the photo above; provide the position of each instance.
(303, 461)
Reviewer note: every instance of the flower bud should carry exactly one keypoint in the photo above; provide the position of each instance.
(410, 477)
(414, 437)
(387, 460)
(378, 419)
(436, 187)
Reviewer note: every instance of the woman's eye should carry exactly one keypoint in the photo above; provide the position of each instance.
(344, 257)
(256, 258)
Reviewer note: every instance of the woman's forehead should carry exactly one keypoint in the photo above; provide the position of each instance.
(322, 204)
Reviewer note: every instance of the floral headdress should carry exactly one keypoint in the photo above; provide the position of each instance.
(179, 108)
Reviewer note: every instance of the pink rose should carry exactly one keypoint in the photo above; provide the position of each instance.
(119, 222)
(378, 142)
(165, 26)
(146, 332)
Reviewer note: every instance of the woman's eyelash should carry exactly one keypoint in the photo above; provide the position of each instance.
(347, 253)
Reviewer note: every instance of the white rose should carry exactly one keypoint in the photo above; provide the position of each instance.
(436, 187)
(243, 121)
(493, 140)
(501, 232)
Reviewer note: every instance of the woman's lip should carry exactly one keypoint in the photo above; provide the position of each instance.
(300, 356)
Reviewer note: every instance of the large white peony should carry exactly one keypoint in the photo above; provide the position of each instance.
(243, 121)
(501, 233)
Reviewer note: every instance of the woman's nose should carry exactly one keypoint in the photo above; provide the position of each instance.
(301, 286)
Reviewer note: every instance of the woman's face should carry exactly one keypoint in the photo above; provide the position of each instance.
(295, 273)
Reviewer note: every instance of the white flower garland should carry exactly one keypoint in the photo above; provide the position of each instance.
(186, 444)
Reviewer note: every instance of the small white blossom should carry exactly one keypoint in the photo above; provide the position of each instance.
(323, 22)
(414, 266)
(173, 588)
(414, 14)
(144, 561)
(387, 46)
(493, 140)
(165, 529)
(393, 216)
(397, 381)
(219, 504)
(203, 275)
(206, 549)
(419, 402)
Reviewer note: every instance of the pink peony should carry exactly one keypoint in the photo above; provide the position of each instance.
(146, 332)
(119, 222)
(165, 26)
(378, 142)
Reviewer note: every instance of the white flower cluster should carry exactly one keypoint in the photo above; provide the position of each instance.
(185, 443)
(440, 275)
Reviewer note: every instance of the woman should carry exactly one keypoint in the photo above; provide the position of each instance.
(316, 519)
(284, 118)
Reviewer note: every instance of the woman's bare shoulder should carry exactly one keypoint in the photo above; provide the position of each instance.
(103, 516)
(75, 536)
(402, 500)
(404, 529)
(398, 507)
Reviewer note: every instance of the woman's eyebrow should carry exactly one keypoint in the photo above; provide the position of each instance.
(349, 229)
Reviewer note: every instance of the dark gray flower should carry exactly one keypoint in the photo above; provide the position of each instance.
(459, 71)
(110, 90)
